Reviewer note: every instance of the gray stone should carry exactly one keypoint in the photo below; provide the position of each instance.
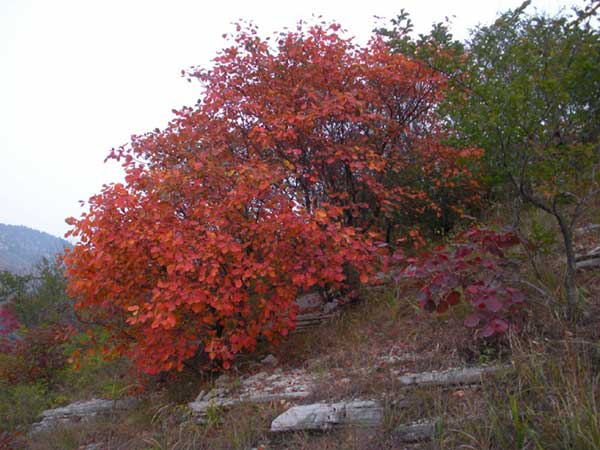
(81, 411)
(468, 375)
(366, 413)
(417, 431)
(259, 388)
(589, 260)
(270, 360)
(223, 381)
(200, 396)
(587, 228)
(588, 263)
(215, 393)
(323, 416)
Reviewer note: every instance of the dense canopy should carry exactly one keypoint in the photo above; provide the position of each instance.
(299, 157)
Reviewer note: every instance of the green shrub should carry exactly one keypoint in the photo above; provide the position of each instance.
(21, 404)
(90, 373)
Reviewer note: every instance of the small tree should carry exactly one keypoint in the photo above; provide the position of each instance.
(46, 301)
(38, 298)
(527, 90)
(534, 106)
(12, 285)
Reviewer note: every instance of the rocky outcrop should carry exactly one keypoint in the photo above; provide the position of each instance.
(81, 411)
(313, 310)
(326, 416)
(298, 384)
(262, 387)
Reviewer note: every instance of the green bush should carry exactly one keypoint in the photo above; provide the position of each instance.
(91, 373)
(97, 377)
(42, 300)
(21, 404)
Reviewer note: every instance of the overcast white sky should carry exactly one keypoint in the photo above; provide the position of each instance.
(78, 77)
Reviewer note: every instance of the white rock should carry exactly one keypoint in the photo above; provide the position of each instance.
(468, 375)
(215, 393)
(369, 413)
(200, 396)
(308, 301)
(416, 431)
(81, 411)
(259, 388)
(223, 381)
(587, 228)
(593, 261)
(322, 416)
(270, 360)
(268, 397)
(201, 407)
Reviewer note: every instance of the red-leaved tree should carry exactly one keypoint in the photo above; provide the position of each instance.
(299, 157)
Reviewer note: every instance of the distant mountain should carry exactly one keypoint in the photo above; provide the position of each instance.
(21, 248)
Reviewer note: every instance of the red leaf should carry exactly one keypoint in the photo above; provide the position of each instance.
(516, 296)
(429, 306)
(453, 298)
(472, 321)
(493, 304)
(442, 307)
(487, 331)
(499, 325)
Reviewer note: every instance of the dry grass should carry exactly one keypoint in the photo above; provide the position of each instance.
(383, 322)
(551, 400)
(167, 427)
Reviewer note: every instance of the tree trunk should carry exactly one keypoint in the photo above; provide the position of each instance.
(566, 230)
(569, 279)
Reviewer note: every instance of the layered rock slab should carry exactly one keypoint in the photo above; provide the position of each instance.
(324, 416)
(81, 411)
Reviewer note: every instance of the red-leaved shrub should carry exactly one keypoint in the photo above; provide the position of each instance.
(37, 355)
(298, 157)
(471, 269)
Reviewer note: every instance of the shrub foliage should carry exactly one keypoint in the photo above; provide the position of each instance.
(300, 156)
(473, 270)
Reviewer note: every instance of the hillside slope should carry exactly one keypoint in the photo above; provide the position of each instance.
(21, 247)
